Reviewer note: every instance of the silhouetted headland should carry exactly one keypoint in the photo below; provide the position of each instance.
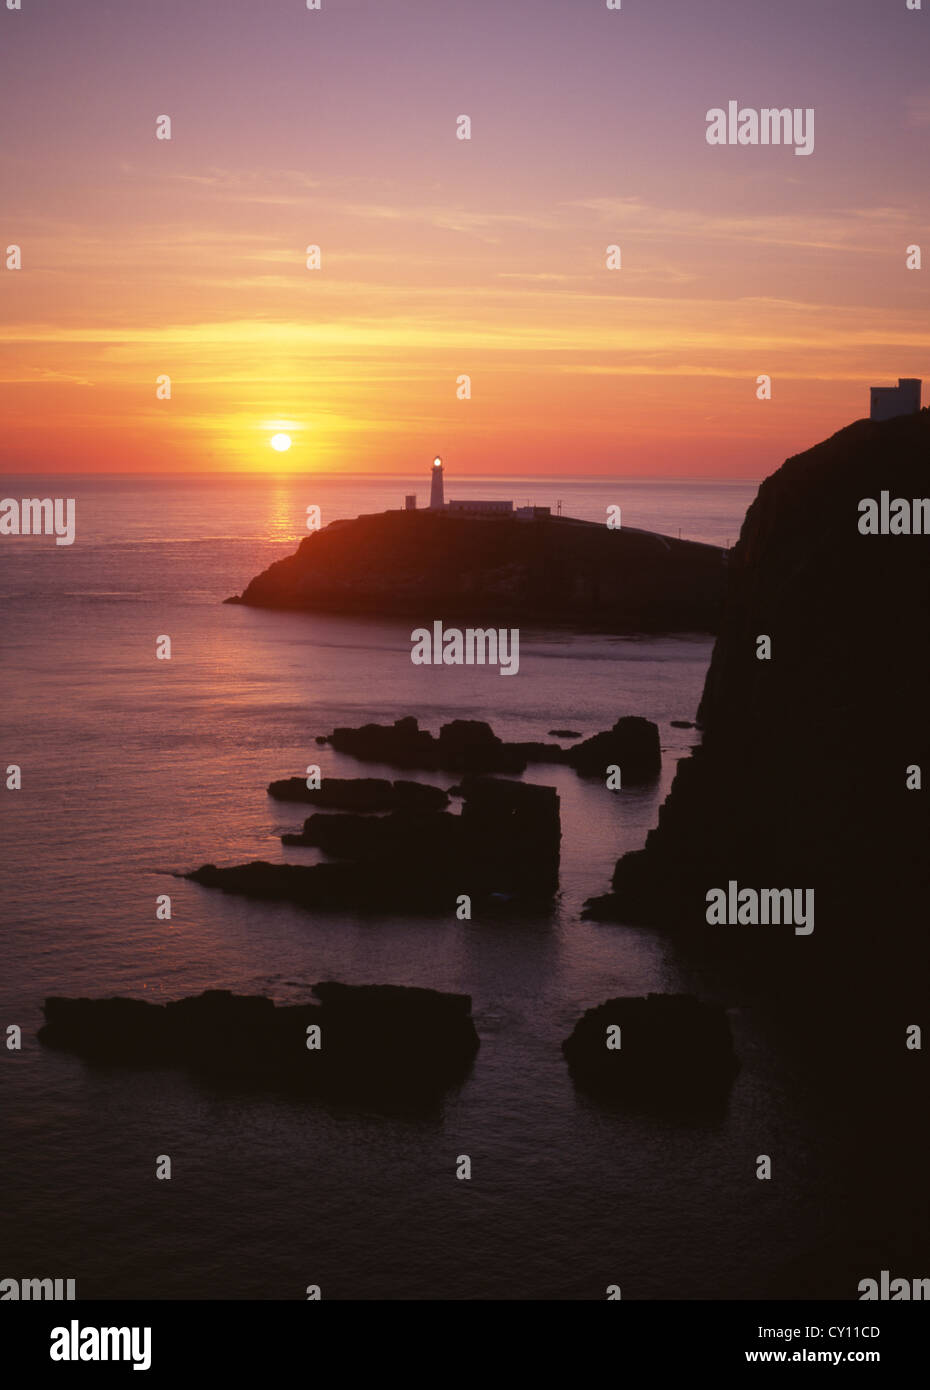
(555, 571)
(802, 776)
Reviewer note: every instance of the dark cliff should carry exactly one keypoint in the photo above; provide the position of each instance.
(801, 782)
(497, 571)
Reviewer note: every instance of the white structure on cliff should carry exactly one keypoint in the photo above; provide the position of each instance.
(479, 508)
(472, 506)
(889, 401)
(436, 502)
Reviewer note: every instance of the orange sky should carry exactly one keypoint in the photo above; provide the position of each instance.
(443, 257)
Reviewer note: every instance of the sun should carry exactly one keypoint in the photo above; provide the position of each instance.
(281, 442)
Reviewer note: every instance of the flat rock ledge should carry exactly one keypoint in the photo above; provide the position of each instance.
(370, 1043)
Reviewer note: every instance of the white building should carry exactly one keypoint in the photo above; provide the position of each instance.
(475, 506)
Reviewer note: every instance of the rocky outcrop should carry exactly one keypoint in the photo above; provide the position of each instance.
(369, 839)
(662, 1049)
(463, 745)
(471, 746)
(801, 778)
(477, 570)
(376, 1043)
(513, 830)
(361, 794)
(504, 844)
(632, 745)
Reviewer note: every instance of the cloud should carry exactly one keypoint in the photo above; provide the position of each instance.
(838, 230)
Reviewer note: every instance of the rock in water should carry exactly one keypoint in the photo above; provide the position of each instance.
(409, 835)
(377, 1044)
(463, 745)
(506, 842)
(513, 830)
(661, 1049)
(472, 747)
(361, 794)
(632, 745)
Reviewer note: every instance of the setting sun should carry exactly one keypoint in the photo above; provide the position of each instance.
(281, 442)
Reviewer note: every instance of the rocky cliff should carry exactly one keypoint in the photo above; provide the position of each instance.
(801, 782)
(802, 776)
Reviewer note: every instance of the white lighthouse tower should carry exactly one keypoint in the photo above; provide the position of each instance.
(436, 499)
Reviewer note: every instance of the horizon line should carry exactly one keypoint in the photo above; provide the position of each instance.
(401, 477)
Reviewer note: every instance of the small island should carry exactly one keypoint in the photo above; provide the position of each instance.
(470, 560)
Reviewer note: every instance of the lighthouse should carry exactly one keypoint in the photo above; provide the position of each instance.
(436, 499)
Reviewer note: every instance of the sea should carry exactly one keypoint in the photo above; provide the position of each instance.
(135, 770)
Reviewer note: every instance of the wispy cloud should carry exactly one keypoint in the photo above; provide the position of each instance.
(839, 230)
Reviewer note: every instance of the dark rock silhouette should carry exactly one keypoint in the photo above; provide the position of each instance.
(514, 829)
(801, 776)
(632, 745)
(471, 746)
(362, 794)
(801, 780)
(373, 838)
(560, 571)
(378, 1043)
(672, 1049)
(506, 841)
(463, 745)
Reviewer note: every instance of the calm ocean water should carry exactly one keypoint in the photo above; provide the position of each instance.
(134, 769)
